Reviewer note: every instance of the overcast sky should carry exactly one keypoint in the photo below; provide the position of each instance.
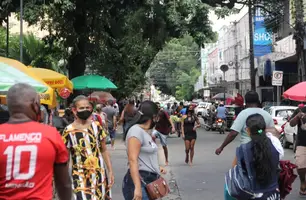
(218, 23)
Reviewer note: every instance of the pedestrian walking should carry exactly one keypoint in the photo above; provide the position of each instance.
(86, 142)
(190, 123)
(299, 119)
(259, 160)
(31, 154)
(111, 121)
(163, 127)
(239, 125)
(103, 115)
(142, 154)
(168, 109)
(127, 115)
(68, 115)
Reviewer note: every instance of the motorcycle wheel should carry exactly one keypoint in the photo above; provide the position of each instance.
(206, 126)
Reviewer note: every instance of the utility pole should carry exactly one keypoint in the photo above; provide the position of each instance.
(299, 38)
(236, 62)
(21, 31)
(252, 62)
(7, 35)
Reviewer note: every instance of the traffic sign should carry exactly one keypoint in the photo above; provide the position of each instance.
(277, 78)
(64, 93)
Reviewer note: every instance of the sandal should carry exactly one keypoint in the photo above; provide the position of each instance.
(302, 193)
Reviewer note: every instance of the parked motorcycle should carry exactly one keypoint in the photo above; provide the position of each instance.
(220, 125)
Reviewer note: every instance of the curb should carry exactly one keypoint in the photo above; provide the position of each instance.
(170, 178)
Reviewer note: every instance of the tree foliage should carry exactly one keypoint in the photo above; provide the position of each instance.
(176, 68)
(117, 38)
(36, 52)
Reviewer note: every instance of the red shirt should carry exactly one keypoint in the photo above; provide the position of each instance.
(163, 125)
(28, 152)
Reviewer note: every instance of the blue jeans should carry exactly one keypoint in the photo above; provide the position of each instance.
(128, 186)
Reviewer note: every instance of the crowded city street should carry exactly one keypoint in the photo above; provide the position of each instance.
(204, 180)
(152, 99)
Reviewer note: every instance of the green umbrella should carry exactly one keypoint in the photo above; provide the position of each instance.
(9, 76)
(92, 82)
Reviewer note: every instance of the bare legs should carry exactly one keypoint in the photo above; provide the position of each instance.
(189, 150)
(302, 173)
(192, 151)
(166, 154)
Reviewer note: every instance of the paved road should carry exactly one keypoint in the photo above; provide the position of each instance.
(205, 179)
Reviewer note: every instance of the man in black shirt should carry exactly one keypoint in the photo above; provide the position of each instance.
(299, 119)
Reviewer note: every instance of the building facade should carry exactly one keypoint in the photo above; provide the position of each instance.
(272, 52)
(233, 48)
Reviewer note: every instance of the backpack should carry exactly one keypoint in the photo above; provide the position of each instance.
(239, 180)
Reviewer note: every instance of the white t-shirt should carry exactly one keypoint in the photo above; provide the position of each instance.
(277, 144)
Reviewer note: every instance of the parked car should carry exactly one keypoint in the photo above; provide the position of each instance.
(280, 115)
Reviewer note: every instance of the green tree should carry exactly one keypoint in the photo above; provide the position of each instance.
(36, 52)
(122, 37)
(176, 68)
(118, 39)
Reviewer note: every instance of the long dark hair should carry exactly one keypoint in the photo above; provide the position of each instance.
(261, 148)
(147, 110)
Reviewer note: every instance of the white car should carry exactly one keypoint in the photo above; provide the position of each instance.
(280, 115)
(201, 109)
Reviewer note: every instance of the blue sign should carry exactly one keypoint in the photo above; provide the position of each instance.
(262, 38)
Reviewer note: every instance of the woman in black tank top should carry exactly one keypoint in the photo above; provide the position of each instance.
(189, 125)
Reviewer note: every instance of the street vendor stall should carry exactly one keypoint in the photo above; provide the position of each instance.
(47, 96)
(52, 78)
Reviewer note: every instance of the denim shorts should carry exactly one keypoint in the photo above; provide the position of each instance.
(112, 133)
(163, 138)
(128, 186)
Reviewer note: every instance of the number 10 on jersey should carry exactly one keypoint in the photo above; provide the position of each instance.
(14, 154)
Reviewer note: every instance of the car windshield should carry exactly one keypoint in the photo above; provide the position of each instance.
(202, 105)
(284, 113)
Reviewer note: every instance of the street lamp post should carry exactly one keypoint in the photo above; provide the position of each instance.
(21, 31)
(224, 68)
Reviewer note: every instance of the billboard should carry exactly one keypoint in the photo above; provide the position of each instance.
(262, 38)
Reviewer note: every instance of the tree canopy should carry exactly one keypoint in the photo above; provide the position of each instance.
(177, 67)
(36, 52)
(118, 39)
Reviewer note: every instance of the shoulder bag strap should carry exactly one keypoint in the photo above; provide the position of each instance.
(148, 166)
